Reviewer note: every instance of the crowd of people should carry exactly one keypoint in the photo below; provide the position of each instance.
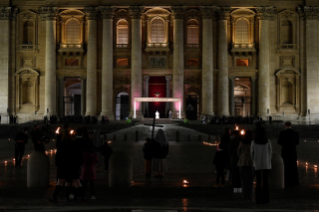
(210, 119)
(53, 119)
(242, 157)
(249, 155)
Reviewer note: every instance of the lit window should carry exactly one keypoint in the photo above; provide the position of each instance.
(71, 62)
(192, 32)
(122, 32)
(192, 62)
(242, 62)
(73, 32)
(122, 62)
(242, 32)
(157, 31)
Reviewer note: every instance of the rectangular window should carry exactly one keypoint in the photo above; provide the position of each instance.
(192, 35)
(122, 35)
(71, 62)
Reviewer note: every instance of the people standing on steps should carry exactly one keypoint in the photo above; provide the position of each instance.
(233, 161)
(21, 139)
(161, 149)
(148, 155)
(245, 166)
(289, 139)
(261, 152)
(220, 158)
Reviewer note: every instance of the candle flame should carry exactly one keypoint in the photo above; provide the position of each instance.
(306, 164)
(5, 161)
(315, 166)
(236, 128)
(242, 132)
(71, 132)
(185, 181)
(57, 130)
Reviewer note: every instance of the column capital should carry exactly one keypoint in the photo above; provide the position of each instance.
(223, 13)
(253, 78)
(136, 11)
(146, 78)
(207, 11)
(308, 13)
(232, 78)
(178, 12)
(91, 13)
(48, 13)
(266, 13)
(107, 11)
(168, 78)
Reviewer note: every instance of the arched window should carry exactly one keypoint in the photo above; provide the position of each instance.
(73, 32)
(122, 32)
(286, 32)
(28, 32)
(192, 32)
(242, 31)
(157, 31)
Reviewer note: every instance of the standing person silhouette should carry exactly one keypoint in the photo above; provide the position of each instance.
(161, 148)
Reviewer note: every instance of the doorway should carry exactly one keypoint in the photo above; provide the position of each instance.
(72, 96)
(122, 106)
(192, 106)
(242, 96)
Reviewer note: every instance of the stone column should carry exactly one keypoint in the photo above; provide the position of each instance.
(61, 95)
(178, 58)
(146, 94)
(207, 61)
(136, 60)
(223, 92)
(91, 83)
(231, 96)
(168, 93)
(253, 96)
(5, 14)
(49, 14)
(83, 96)
(107, 62)
(311, 18)
(264, 14)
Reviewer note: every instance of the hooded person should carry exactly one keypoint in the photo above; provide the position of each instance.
(161, 148)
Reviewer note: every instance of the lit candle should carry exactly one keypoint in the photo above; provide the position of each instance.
(242, 132)
(185, 181)
(28, 155)
(109, 142)
(236, 128)
(315, 166)
(306, 164)
(14, 159)
(71, 132)
(5, 162)
(57, 131)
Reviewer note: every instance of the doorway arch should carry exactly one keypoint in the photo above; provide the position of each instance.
(122, 105)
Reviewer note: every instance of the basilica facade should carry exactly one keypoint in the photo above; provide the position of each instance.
(232, 58)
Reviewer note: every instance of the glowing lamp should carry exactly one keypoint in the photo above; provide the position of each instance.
(71, 132)
(185, 181)
(57, 130)
(315, 166)
(5, 162)
(306, 164)
(236, 128)
(28, 155)
(242, 132)
(14, 159)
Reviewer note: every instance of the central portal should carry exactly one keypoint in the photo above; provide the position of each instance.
(157, 88)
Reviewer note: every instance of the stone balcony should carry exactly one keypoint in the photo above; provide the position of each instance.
(71, 48)
(243, 48)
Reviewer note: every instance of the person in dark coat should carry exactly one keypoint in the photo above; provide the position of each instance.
(289, 139)
(36, 137)
(233, 160)
(161, 148)
(21, 140)
(220, 158)
(106, 151)
(148, 155)
(68, 161)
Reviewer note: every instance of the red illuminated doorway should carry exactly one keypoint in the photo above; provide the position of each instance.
(157, 88)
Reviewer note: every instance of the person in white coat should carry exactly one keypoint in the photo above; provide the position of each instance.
(261, 152)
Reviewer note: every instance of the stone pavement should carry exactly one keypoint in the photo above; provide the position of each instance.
(188, 160)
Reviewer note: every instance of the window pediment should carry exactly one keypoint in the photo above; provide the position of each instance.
(157, 11)
(28, 14)
(27, 72)
(75, 13)
(242, 12)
